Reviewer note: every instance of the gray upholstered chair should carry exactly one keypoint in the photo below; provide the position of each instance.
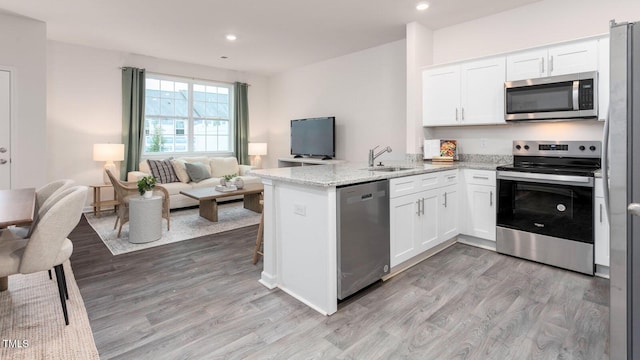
(127, 190)
(48, 246)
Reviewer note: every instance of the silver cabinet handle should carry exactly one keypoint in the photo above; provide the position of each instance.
(418, 203)
(3, 150)
(445, 199)
(600, 213)
(462, 114)
(421, 206)
(481, 177)
(3, 161)
(634, 209)
(550, 65)
(542, 64)
(456, 114)
(490, 198)
(451, 177)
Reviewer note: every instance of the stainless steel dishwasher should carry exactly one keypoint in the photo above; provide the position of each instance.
(363, 235)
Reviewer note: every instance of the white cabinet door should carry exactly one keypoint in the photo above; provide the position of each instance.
(404, 226)
(573, 58)
(601, 231)
(527, 65)
(429, 220)
(482, 92)
(449, 198)
(603, 78)
(481, 220)
(441, 96)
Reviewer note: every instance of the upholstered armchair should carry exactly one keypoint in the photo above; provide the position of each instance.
(48, 246)
(126, 190)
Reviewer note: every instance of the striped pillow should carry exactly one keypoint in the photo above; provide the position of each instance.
(163, 171)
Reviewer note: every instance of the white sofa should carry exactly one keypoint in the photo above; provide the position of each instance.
(218, 166)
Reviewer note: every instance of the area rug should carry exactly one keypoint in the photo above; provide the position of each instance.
(32, 324)
(185, 224)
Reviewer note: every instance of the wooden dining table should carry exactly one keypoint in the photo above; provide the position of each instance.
(17, 207)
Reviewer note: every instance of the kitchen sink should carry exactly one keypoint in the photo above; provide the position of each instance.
(388, 169)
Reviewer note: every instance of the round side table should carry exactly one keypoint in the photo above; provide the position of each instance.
(145, 219)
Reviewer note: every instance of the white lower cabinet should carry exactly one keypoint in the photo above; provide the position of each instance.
(479, 204)
(420, 220)
(600, 227)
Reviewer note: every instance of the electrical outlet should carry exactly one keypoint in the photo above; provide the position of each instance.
(300, 209)
(483, 143)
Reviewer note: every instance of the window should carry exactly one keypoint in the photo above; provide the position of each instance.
(183, 116)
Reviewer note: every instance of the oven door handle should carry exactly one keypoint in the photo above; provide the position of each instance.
(585, 181)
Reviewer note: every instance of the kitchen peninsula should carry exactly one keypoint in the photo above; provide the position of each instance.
(300, 225)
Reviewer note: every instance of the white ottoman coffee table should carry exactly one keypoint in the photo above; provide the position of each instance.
(145, 219)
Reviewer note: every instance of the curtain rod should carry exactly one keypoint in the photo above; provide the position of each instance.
(185, 77)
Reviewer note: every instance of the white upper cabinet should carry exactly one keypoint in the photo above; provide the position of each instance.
(441, 96)
(563, 59)
(471, 93)
(603, 78)
(482, 92)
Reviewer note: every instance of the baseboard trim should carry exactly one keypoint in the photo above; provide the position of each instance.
(268, 280)
(602, 271)
(418, 258)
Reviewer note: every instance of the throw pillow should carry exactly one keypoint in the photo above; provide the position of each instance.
(221, 166)
(181, 170)
(163, 171)
(197, 171)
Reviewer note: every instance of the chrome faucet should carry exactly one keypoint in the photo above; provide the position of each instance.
(372, 156)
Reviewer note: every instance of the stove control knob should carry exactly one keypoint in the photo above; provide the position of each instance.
(592, 148)
(526, 147)
(581, 148)
(518, 147)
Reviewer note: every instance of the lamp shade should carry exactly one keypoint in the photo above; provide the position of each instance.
(257, 148)
(108, 152)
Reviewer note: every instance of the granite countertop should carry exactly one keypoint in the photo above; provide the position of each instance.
(353, 173)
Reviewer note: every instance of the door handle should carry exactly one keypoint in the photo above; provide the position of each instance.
(418, 203)
(490, 198)
(3, 150)
(462, 114)
(422, 201)
(550, 65)
(634, 209)
(445, 199)
(3, 161)
(542, 65)
(456, 114)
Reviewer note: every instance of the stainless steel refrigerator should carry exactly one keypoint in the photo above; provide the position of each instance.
(622, 134)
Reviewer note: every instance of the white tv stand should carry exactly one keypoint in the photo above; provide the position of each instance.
(303, 161)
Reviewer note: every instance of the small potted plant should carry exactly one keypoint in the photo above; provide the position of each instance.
(146, 185)
(232, 179)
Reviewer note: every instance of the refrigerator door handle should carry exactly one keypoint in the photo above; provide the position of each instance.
(605, 164)
(634, 209)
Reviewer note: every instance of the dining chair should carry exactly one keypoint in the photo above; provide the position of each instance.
(127, 190)
(48, 246)
(45, 192)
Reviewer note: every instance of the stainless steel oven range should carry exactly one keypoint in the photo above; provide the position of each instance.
(545, 203)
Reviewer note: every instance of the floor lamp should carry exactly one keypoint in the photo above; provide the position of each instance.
(257, 150)
(108, 153)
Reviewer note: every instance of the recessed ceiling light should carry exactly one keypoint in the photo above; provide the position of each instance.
(231, 37)
(422, 6)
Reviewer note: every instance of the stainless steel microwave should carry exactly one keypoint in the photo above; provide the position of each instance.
(570, 96)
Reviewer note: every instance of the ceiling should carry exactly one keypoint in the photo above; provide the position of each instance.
(273, 35)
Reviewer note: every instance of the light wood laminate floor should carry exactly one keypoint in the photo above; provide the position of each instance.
(200, 299)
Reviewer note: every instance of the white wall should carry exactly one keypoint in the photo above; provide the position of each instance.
(23, 44)
(419, 54)
(365, 91)
(85, 103)
(540, 23)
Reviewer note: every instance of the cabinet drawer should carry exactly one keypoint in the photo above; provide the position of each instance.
(404, 186)
(448, 177)
(599, 192)
(480, 177)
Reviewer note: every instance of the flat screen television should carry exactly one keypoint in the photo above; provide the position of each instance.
(314, 137)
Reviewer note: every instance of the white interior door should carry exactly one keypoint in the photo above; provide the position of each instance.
(5, 130)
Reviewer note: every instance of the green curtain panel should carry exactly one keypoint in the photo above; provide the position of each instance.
(133, 85)
(241, 114)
